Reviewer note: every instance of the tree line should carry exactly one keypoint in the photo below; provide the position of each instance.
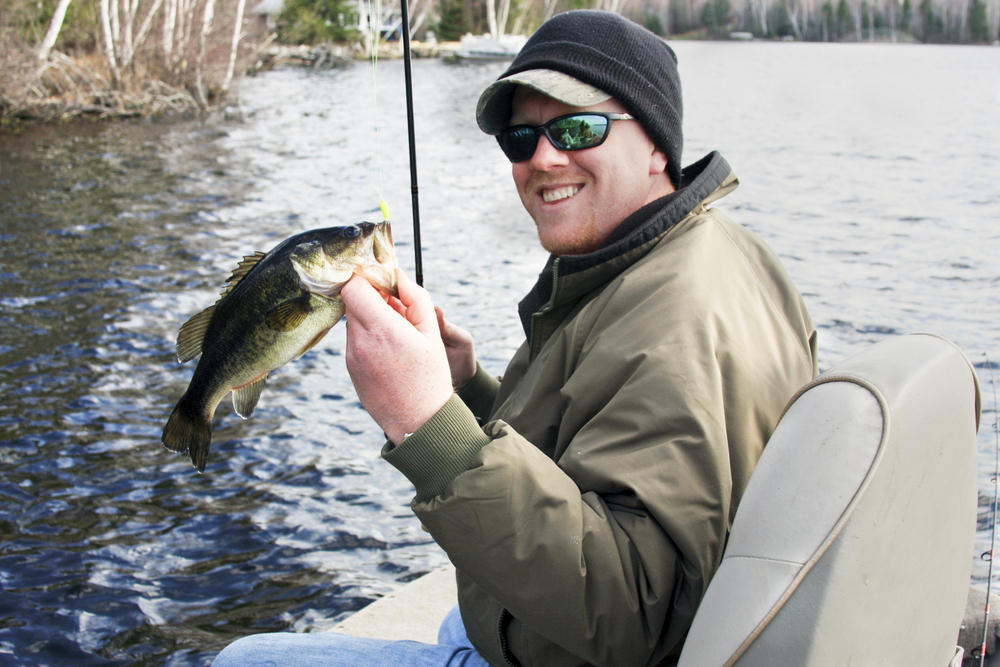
(946, 22)
(138, 57)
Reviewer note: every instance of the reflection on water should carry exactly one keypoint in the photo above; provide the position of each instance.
(878, 196)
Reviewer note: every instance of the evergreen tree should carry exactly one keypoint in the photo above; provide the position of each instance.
(780, 20)
(654, 24)
(879, 21)
(680, 20)
(844, 19)
(829, 25)
(453, 23)
(715, 16)
(318, 21)
(979, 27)
(929, 21)
(906, 20)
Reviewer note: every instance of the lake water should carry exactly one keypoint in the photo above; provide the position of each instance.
(872, 169)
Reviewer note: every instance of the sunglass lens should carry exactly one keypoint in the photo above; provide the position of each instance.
(580, 131)
(518, 143)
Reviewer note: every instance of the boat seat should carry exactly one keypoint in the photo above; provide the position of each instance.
(853, 543)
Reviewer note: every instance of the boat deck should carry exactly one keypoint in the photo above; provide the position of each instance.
(413, 612)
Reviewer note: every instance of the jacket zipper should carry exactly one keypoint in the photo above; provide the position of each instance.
(504, 618)
(536, 318)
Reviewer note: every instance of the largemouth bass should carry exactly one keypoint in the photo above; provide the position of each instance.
(276, 307)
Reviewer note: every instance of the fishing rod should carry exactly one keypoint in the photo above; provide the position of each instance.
(418, 266)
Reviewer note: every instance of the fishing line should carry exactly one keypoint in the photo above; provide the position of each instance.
(374, 33)
(993, 523)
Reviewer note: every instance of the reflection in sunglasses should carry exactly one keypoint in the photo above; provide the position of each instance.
(566, 133)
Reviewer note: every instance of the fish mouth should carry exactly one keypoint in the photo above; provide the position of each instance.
(380, 266)
(558, 194)
(324, 266)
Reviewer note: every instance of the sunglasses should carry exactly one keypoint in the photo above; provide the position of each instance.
(573, 132)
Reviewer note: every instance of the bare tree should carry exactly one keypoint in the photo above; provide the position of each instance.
(548, 9)
(121, 41)
(109, 39)
(54, 27)
(237, 32)
(758, 9)
(419, 11)
(133, 44)
(496, 16)
(206, 29)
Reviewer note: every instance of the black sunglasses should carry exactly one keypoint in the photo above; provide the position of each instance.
(573, 132)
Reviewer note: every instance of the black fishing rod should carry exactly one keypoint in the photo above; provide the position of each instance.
(418, 262)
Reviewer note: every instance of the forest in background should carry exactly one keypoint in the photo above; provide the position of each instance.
(68, 58)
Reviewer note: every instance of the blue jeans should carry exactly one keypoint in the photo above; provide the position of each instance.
(331, 649)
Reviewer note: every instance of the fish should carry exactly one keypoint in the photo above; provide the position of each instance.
(275, 307)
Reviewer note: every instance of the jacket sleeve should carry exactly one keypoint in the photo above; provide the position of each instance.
(480, 393)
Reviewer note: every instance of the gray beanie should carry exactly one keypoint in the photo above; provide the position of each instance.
(604, 51)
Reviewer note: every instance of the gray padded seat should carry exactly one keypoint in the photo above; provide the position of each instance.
(853, 544)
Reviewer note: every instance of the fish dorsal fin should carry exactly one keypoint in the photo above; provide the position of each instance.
(192, 333)
(288, 315)
(245, 398)
(243, 268)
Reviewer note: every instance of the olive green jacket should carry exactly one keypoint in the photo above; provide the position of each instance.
(588, 515)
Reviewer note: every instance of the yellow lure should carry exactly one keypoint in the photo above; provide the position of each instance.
(385, 209)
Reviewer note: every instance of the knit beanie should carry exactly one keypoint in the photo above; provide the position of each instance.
(611, 53)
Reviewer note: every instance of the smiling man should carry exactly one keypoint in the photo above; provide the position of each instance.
(578, 197)
(586, 498)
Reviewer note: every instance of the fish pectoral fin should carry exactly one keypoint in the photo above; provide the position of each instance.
(192, 334)
(288, 315)
(245, 398)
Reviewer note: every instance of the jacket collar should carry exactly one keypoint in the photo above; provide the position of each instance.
(565, 279)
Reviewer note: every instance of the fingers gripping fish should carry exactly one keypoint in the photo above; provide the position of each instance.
(276, 307)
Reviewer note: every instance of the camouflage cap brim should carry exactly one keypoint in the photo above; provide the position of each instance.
(494, 109)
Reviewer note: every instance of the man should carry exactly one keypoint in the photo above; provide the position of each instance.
(586, 498)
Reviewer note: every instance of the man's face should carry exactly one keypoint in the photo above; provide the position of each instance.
(578, 198)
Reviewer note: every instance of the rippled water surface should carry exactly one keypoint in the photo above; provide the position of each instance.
(871, 169)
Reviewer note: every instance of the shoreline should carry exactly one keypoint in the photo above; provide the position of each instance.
(87, 96)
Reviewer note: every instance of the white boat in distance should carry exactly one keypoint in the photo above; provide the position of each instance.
(487, 47)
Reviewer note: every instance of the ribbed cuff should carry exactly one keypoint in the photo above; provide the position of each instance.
(480, 393)
(438, 451)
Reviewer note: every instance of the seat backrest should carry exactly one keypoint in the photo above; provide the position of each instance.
(853, 542)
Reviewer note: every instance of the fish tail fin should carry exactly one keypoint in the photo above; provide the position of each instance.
(184, 434)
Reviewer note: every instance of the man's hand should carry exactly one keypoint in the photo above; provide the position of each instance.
(461, 355)
(395, 355)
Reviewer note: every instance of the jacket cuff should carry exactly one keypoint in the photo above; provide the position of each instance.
(438, 451)
(480, 393)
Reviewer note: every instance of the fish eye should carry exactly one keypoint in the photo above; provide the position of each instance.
(351, 232)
